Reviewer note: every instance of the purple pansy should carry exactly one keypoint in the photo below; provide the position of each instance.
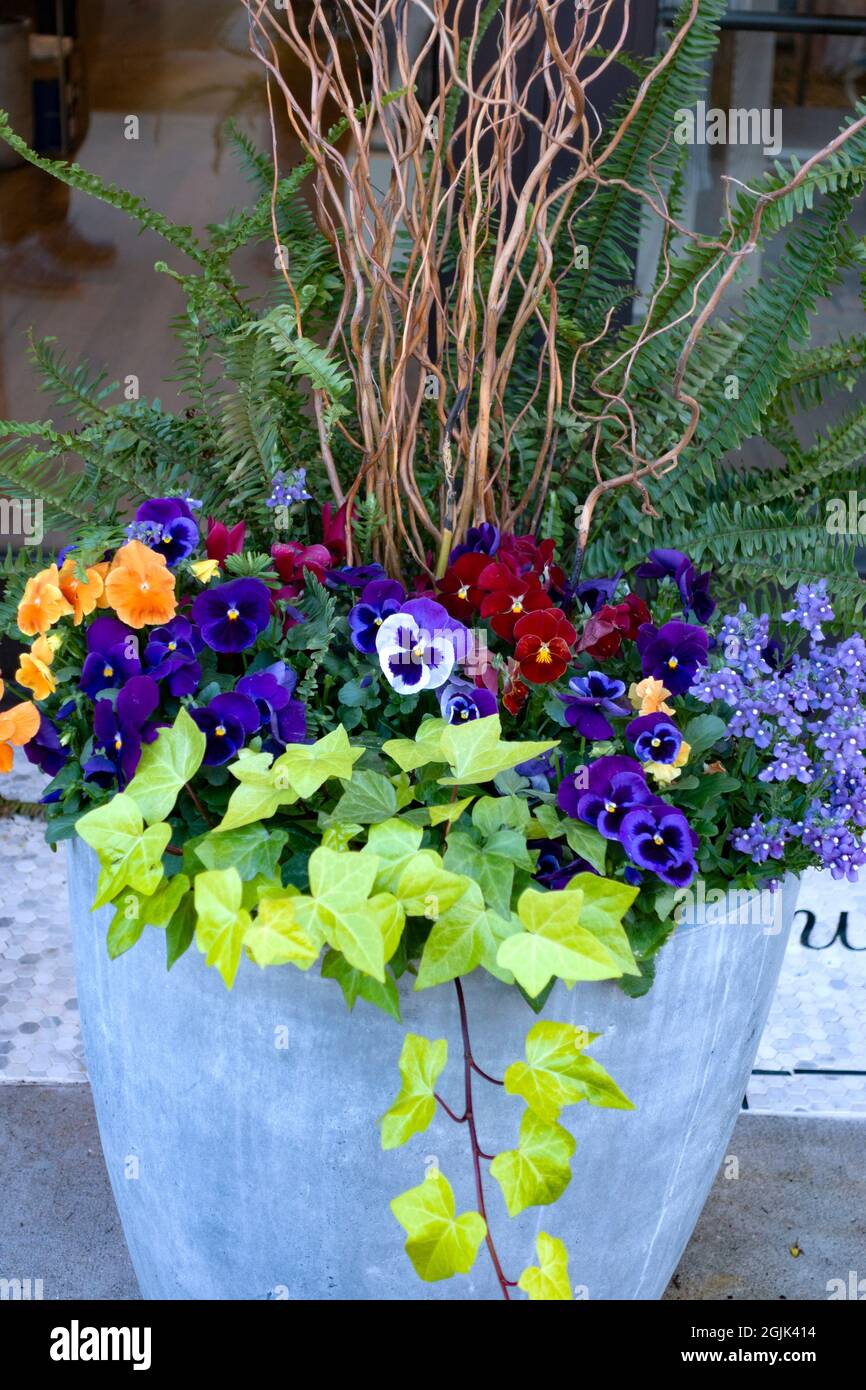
(119, 729)
(672, 653)
(694, 588)
(659, 838)
(167, 525)
(232, 615)
(461, 702)
(378, 601)
(226, 722)
(594, 698)
(284, 719)
(597, 592)
(112, 656)
(419, 646)
(45, 750)
(655, 738)
(613, 786)
(480, 540)
(552, 869)
(171, 656)
(354, 576)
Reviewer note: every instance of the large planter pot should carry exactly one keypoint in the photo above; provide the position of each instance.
(240, 1130)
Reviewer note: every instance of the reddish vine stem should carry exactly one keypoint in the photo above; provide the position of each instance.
(477, 1153)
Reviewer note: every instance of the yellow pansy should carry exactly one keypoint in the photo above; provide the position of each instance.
(33, 671)
(665, 773)
(205, 570)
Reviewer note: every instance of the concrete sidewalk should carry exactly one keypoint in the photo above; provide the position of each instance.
(799, 1183)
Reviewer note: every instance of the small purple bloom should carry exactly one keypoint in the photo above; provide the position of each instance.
(378, 601)
(660, 838)
(112, 656)
(119, 729)
(284, 719)
(172, 527)
(226, 722)
(354, 576)
(594, 698)
(232, 615)
(672, 653)
(655, 738)
(171, 655)
(480, 540)
(45, 750)
(614, 786)
(552, 870)
(597, 592)
(460, 702)
(694, 588)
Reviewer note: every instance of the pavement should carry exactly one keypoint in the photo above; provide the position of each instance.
(785, 1218)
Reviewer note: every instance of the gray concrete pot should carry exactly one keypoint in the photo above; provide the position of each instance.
(240, 1129)
(16, 85)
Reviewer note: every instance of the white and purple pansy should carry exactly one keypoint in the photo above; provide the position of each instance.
(419, 647)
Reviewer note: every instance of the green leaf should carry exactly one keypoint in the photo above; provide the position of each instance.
(538, 1171)
(135, 912)
(548, 1280)
(395, 844)
(352, 921)
(492, 813)
(605, 903)
(464, 936)
(448, 811)
(421, 1063)
(180, 931)
(221, 922)
(586, 842)
(257, 797)
(426, 888)
(129, 855)
(554, 943)
(410, 754)
(556, 1073)
(305, 766)
(252, 850)
(356, 985)
(368, 799)
(438, 1243)
(277, 938)
(126, 926)
(701, 733)
(476, 752)
(166, 766)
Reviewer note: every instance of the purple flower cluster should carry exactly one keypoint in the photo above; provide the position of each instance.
(616, 800)
(288, 491)
(806, 716)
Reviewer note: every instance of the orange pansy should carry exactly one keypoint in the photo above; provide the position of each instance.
(140, 586)
(43, 603)
(17, 727)
(648, 697)
(33, 672)
(82, 594)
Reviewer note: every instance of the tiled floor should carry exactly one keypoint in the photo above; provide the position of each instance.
(817, 1024)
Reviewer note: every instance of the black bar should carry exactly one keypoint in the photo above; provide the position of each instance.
(769, 22)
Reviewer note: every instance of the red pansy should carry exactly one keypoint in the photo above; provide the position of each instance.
(604, 632)
(508, 596)
(459, 592)
(514, 693)
(544, 642)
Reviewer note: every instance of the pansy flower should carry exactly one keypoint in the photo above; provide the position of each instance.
(655, 738)
(480, 540)
(378, 601)
(354, 576)
(694, 588)
(34, 669)
(602, 797)
(17, 727)
(291, 559)
(594, 699)
(416, 646)
(659, 838)
(595, 593)
(45, 750)
(552, 868)
(84, 594)
(43, 603)
(544, 640)
(606, 630)
(224, 540)
(271, 690)
(112, 657)
(171, 656)
(119, 728)
(140, 586)
(226, 722)
(649, 696)
(672, 653)
(508, 596)
(167, 525)
(459, 590)
(460, 702)
(231, 616)
(515, 692)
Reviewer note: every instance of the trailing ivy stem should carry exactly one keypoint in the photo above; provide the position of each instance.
(197, 804)
(458, 1119)
(477, 1155)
